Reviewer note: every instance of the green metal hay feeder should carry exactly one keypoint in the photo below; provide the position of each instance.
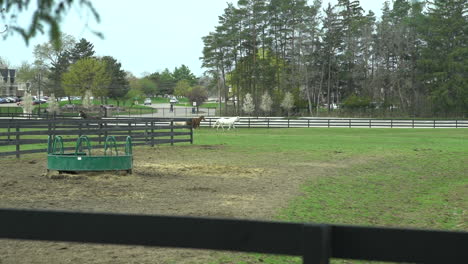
(82, 159)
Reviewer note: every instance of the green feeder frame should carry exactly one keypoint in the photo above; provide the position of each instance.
(83, 160)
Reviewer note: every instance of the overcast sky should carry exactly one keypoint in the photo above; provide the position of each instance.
(145, 35)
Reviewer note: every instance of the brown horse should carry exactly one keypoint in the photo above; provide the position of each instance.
(196, 121)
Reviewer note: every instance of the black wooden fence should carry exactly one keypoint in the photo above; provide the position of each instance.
(316, 243)
(23, 136)
(279, 122)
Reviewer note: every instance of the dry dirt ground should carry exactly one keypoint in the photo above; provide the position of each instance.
(180, 180)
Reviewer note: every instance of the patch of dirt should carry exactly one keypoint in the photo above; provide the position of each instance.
(196, 170)
(181, 180)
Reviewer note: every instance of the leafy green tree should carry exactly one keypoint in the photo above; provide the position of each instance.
(184, 73)
(57, 59)
(147, 87)
(182, 88)
(26, 72)
(34, 75)
(119, 85)
(133, 94)
(50, 53)
(356, 102)
(48, 13)
(198, 94)
(87, 74)
(166, 82)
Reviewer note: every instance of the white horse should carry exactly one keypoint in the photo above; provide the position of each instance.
(230, 122)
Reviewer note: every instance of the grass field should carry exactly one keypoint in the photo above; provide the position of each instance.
(414, 178)
(381, 177)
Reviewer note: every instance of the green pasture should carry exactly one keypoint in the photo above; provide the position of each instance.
(414, 178)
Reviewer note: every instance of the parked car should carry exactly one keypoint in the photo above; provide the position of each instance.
(40, 101)
(173, 100)
(3, 101)
(10, 99)
(147, 101)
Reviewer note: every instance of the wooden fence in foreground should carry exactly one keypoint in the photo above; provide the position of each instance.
(316, 243)
(24, 136)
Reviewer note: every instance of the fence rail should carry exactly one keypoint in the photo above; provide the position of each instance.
(30, 135)
(316, 243)
(279, 122)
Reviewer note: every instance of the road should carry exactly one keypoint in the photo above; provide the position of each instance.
(179, 111)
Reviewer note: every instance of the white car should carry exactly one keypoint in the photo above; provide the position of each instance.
(173, 100)
(147, 101)
(10, 99)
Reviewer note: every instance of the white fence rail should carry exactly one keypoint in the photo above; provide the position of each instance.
(279, 122)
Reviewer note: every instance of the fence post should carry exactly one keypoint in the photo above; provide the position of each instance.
(456, 123)
(9, 125)
(434, 123)
(152, 133)
(172, 132)
(316, 244)
(17, 140)
(328, 123)
(413, 123)
(249, 121)
(191, 135)
(391, 123)
(370, 123)
(268, 122)
(350, 123)
(105, 130)
(99, 134)
(146, 133)
(288, 122)
(308, 122)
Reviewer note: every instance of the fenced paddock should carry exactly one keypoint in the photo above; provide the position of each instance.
(279, 122)
(25, 135)
(316, 243)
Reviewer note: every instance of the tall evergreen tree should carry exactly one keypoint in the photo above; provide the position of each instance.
(444, 59)
(82, 49)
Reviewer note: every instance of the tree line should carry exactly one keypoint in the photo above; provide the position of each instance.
(72, 69)
(414, 58)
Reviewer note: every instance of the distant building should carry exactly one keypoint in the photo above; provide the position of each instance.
(8, 87)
